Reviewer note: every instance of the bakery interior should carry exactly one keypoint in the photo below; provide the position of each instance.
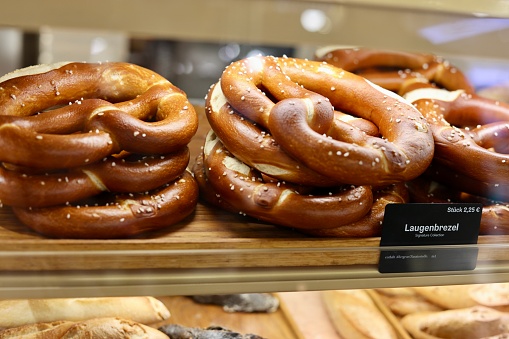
(218, 272)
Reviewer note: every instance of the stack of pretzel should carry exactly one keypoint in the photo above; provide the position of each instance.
(471, 132)
(310, 146)
(95, 150)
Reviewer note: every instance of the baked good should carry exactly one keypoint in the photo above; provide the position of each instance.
(355, 315)
(466, 323)
(392, 69)
(309, 146)
(494, 295)
(17, 312)
(447, 297)
(403, 301)
(113, 328)
(103, 153)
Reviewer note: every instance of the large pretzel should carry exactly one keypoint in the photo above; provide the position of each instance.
(294, 101)
(391, 69)
(104, 128)
(76, 130)
(113, 174)
(239, 188)
(286, 130)
(371, 224)
(120, 216)
(494, 217)
(472, 154)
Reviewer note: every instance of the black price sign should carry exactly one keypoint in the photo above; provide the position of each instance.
(435, 226)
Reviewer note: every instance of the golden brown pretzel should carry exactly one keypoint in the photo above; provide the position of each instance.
(105, 128)
(239, 188)
(254, 146)
(494, 217)
(371, 224)
(114, 174)
(463, 149)
(81, 132)
(123, 216)
(494, 136)
(297, 109)
(390, 69)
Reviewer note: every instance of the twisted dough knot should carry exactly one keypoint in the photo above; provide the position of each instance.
(77, 130)
(308, 124)
(471, 135)
(392, 69)
(296, 114)
(471, 161)
(87, 129)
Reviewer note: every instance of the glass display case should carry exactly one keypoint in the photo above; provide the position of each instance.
(190, 43)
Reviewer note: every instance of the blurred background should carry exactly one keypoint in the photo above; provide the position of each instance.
(191, 42)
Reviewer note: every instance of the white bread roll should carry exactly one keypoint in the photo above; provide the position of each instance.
(468, 323)
(17, 312)
(403, 301)
(111, 328)
(448, 297)
(492, 295)
(355, 316)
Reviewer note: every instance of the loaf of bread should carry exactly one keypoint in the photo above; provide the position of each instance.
(492, 295)
(448, 297)
(404, 300)
(355, 315)
(17, 312)
(467, 323)
(111, 328)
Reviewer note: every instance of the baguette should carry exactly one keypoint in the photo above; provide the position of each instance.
(49, 330)
(17, 312)
(111, 328)
(355, 315)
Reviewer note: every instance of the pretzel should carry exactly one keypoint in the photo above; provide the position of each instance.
(371, 224)
(254, 146)
(82, 133)
(297, 111)
(106, 129)
(239, 188)
(123, 175)
(463, 149)
(494, 217)
(123, 216)
(391, 69)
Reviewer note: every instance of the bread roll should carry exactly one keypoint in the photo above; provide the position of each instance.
(17, 312)
(111, 328)
(355, 316)
(403, 301)
(493, 295)
(53, 329)
(468, 323)
(448, 297)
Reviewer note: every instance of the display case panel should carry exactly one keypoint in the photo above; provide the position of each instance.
(214, 251)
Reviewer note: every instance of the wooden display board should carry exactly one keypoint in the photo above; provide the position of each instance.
(209, 238)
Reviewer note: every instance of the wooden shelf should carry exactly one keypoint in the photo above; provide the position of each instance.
(211, 251)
